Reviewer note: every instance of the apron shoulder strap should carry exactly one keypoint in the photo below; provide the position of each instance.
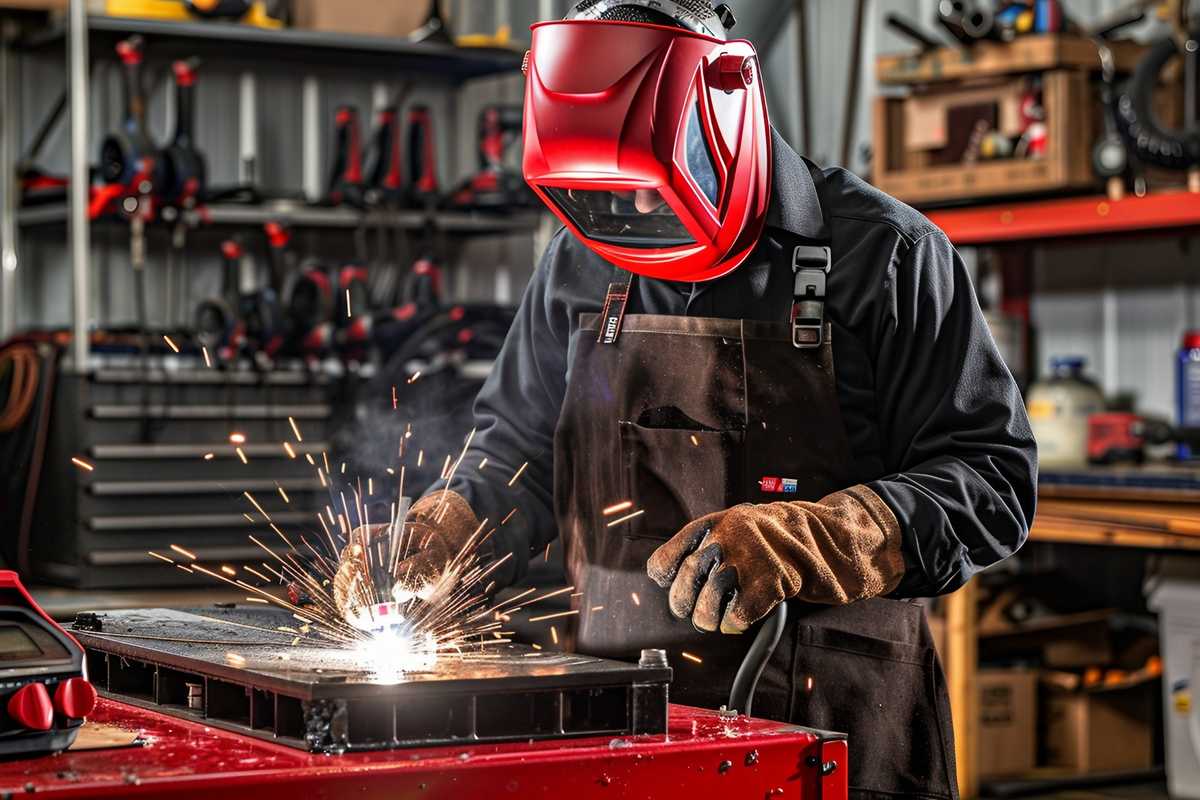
(810, 270)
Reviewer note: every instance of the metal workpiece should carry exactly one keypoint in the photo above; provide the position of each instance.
(259, 677)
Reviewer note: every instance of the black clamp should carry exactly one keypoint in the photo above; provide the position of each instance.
(810, 266)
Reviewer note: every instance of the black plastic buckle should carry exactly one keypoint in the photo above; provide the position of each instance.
(810, 266)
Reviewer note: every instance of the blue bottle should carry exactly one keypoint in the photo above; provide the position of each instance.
(1187, 388)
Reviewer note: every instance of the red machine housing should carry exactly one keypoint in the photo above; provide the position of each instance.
(702, 755)
(612, 107)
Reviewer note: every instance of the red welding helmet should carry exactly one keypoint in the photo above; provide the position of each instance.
(646, 133)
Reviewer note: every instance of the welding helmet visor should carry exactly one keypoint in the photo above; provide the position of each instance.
(651, 143)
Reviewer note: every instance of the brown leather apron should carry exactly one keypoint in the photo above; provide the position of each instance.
(683, 416)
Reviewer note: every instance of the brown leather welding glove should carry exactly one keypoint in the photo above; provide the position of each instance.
(728, 570)
(438, 526)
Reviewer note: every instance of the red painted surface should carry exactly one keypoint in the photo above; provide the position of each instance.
(186, 760)
(1081, 216)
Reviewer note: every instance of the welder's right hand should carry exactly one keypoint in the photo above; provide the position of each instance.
(436, 529)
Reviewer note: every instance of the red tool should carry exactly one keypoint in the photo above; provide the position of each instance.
(184, 169)
(1120, 436)
(346, 176)
(422, 157)
(385, 176)
(129, 164)
(45, 691)
(494, 185)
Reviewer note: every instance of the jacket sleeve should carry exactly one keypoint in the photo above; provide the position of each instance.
(953, 423)
(516, 412)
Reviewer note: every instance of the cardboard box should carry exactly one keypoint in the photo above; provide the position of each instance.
(1100, 730)
(369, 17)
(1007, 734)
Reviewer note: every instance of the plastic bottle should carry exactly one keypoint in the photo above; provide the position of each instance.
(1187, 388)
(1059, 407)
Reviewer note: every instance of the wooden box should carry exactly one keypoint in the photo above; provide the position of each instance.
(907, 163)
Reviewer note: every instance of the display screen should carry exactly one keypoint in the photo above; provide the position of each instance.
(16, 645)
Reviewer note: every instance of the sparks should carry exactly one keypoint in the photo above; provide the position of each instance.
(483, 463)
(237, 438)
(554, 634)
(347, 304)
(183, 552)
(691, 657)
(295, 429)
(556, 615)
(637, 601)
(161, 557)
(616, 508)
(207, 359)
(517, 474)
(287, 448)
(79, 462)
(209, 456)
(415, 377)
(695, 441)
(228, 570)
(242, 455)
(174, 347)
(627, 517)
(283, 494)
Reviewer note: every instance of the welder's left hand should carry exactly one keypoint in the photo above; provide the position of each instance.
(728, 570)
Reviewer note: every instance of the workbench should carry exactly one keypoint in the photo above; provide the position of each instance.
(702, 754)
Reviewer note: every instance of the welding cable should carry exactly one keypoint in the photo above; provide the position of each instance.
(741, 695)
(50, 370)
(20, 362)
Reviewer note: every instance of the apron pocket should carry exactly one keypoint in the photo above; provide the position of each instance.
(883, 695)
(676, 475)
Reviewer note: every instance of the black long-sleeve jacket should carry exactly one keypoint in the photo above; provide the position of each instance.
(936, 424)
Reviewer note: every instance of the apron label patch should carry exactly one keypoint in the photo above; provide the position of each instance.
(613, 313)
(778, 485)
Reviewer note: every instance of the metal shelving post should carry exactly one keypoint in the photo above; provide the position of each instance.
(79, 225)
(8, 213)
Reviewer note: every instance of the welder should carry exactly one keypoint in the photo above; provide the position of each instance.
(775, 379)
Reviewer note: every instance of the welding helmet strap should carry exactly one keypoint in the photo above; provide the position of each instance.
(810, 271)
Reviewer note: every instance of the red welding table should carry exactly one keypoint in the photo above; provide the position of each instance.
(701, 755)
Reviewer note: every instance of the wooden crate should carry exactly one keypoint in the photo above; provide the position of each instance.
(989, 59)
(1072, 120)
(1069, 68)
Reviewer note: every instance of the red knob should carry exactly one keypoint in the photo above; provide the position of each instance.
(31, 708)
(75, 698)
(730, 72)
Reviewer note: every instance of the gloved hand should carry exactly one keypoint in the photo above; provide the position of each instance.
(436, 529)
(728, 569)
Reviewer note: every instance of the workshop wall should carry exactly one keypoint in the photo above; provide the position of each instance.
(1081, 307)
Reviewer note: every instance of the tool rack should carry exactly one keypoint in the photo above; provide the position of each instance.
(82, 36)
(149, 488)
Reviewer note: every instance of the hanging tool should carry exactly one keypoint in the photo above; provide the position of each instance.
(434, 30)
(495, 185)
(346, 175)
(385, 175)
(37, 185)
(1139, 125)
(310, 306)
(184, 178)
(1111, 160)
(215, 320)
(951, 15)
(422, 158)
(129, 164)
(909, 30)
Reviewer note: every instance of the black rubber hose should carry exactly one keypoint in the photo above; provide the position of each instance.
(741, 696)
(1138, 124)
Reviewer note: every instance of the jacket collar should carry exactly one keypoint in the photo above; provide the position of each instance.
(795, 194)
